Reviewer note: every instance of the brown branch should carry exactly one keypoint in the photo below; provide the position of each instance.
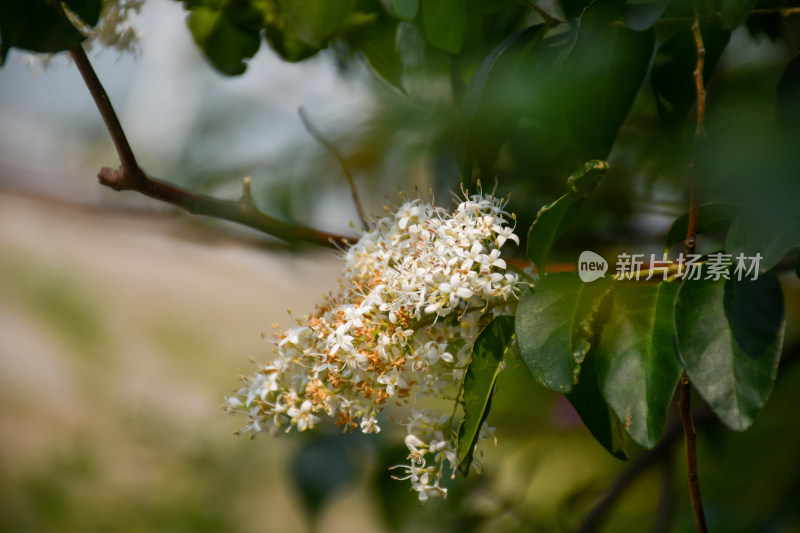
(698, 76)
(549, 19)
(131, 177)
(345, 168)
(690, 436)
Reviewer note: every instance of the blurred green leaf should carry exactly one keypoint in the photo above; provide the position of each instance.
(787, 105)
(36, 25)
(636, 363)
(228, 34)
(554, 325)
(281, 36)
(406, 9)
(445, 23)
(754, 233)
(315, 21)
(672, 75)
(734, 12)
(486, 111)
(488, 352)
(378, 42)
(552, 220)
(602, 75)
(590, 405)
(729, 335)
(711, 218)
(573, 8)
(642, 14)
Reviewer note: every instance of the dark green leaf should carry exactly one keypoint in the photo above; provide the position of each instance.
(554, 325)
(729, 335)
(553, 219)
(35, 25)
(315, 21)
(673, 67)
(225, 43)
(787, 105)
(710, 218)
(445, 23)
(282, 37)
(754, 233)
(488, 107)
(636, 363)
(588, 401)
(87, 10)
(602, 75)
(377, 42)
(488, 353)
(406, 9)
(641, 14)
(735, 11)
(573, 8)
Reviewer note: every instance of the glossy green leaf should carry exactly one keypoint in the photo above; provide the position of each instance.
(711, 218)
(636, 363)
(554, 326)
(595, 413)
(770, 237)
(87, 10)
(642, 14)
(488, 353)
(445, 23)
(553, 219)
(672, 75)
(729, 335)
(406, 9)
(226, 44)
(315, 21)
(602, 75)
(35, 25)
(734, 12)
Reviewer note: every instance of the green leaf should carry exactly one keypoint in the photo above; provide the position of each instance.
(636, 363)
(315, 21)
(282, 38)
(378, 44)
(225, 43)
(642, 14)
(406, 9)
(672, 75)
(489, 104)
(710, 218)
(554, 325)
(445, 23)
(87, 10)
(590, 405)
(35, 25)
(573, 8)
(734, 12)
(754, 233)
(787, 104)
(488, 353)
(729, 335)
(602, 75)
(552, 220)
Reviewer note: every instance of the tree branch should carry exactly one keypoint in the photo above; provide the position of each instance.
(345, 168)
(131, 177)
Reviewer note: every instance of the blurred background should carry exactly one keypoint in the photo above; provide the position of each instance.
(123, 324)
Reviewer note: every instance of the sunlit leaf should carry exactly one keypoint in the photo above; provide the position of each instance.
(488, 353)
(225, 44)
(553, 219)
(729, 335)
(316, 20)
(554, 326)
(636, 363)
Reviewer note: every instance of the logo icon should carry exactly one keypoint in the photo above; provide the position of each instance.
(591, 266)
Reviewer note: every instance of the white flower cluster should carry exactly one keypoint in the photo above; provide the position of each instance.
(114, 29)
(414, 292)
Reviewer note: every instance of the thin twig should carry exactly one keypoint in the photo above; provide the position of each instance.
(549, 19)
(690, 435)
(131, 177)
(698, 77)
(345, 168)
